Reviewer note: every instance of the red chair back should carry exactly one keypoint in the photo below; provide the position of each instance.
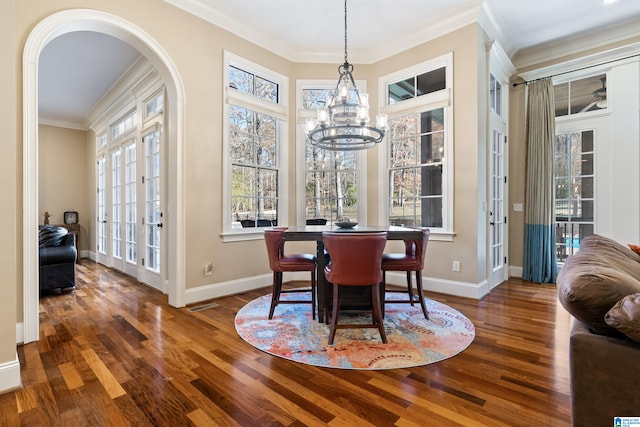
(274, 239)
(356, 258)
(418, 248)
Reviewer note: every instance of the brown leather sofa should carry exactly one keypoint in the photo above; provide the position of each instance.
(600, 286)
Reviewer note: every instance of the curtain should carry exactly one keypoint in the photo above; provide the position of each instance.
(540, 262)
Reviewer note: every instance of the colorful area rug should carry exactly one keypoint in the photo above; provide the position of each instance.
(412, 340)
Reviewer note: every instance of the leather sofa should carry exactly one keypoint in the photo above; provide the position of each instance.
(57, 258)
(600, 286)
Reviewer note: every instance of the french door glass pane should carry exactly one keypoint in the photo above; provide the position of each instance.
(153, 215)
(102, 206)
(116, 197)
(130, 202)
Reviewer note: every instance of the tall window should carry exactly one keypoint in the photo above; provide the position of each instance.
(574, 190)
(419, 162)
(332, 179)
(255, 116)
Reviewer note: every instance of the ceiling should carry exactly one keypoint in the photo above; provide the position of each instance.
(77, 69)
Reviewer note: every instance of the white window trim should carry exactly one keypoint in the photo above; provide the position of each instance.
(301, 141)
(440, 99)
(281, 112)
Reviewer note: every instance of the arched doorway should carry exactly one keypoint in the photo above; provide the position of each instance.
(92, 20)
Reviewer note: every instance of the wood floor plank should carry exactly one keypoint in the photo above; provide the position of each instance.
(114, 353)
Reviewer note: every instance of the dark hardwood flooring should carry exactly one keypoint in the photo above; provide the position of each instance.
(114, 353)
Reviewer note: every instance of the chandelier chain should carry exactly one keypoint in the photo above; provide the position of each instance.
(345, 32)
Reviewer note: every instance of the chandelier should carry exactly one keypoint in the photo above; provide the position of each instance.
(343, 123)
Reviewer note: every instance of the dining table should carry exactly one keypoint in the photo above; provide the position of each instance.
(359, 298)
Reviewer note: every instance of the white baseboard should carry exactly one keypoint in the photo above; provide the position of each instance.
(515, 271)
(443, 286)
(19, 333)
(217, 290)
(10, 375)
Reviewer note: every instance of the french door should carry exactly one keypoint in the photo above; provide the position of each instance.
(497, 216)
(130, 207)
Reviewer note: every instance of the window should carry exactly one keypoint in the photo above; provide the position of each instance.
(123, 125)
(574, 190)
(332, 179)
(495, 95)
(255, 134)
(154, 105)
(581, 95)
(419, 161)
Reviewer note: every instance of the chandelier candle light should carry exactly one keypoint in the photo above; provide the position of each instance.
(343, 124)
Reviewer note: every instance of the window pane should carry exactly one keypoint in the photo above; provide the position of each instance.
(313, 99)
(432, 81)
(402, 90)
(241, 80)
(266, 89)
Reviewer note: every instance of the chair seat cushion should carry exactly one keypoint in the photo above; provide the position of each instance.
(399, 262)
(298, 262)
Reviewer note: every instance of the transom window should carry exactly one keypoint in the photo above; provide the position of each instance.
(581, 95)
(419, 164)
(255, 130)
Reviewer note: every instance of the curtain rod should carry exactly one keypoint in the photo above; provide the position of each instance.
(577, 69)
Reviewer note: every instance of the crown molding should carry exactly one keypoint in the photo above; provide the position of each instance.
(576, 44)
(455, 20)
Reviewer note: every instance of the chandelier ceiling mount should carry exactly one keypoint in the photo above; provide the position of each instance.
(343, 123)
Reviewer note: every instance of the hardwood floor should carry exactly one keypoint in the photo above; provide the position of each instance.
(113, 352)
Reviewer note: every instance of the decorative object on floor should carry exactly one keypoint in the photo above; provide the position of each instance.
(411, 339)
(343, 124)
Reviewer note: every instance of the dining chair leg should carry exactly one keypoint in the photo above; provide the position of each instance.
(383, 292)
(314, 287)
(334, 313)
(409, 287)
(421, 294)
(377, 316)
(276, 290)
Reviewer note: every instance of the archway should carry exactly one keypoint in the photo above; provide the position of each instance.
(97, 21)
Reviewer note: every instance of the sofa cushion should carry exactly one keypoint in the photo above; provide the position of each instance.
(625, 316)
(595, 278)
(50, 235)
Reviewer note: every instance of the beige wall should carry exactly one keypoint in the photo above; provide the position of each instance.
(8, 185)
(196, 47)
(63, 184)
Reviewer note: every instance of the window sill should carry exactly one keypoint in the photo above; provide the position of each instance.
(244, 234)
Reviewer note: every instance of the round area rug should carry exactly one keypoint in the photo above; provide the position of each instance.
(411, 339)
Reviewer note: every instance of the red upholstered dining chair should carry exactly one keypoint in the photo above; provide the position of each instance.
(355, 261)
(279, 262)
(412, 260)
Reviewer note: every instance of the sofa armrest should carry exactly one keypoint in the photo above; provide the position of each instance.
(605, 374)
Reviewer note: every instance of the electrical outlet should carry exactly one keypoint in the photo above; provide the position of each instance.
(456, 265)
(517, 207)
(208, 269)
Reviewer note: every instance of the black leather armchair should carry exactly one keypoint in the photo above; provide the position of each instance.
(57, 256)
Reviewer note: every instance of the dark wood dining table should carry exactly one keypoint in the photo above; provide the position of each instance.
(314, 233)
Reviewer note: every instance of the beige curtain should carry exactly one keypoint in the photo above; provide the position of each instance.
(540, 263)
